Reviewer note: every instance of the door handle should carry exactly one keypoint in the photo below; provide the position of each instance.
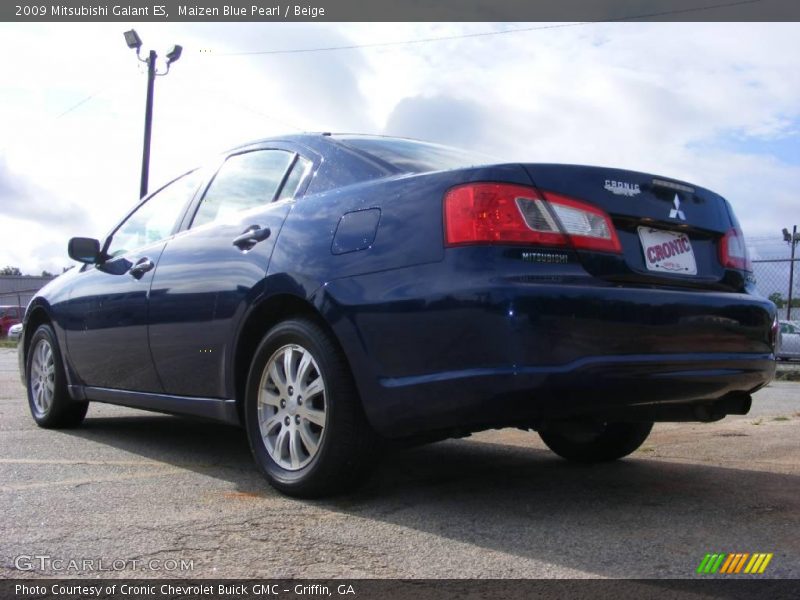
(142, 266)
(251, 236)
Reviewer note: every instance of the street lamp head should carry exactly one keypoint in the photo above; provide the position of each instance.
(174, 54)
(133, 40)
(787, 237)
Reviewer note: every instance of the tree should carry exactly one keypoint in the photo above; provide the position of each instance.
(46, 274)
(8, 270)
(777, 299)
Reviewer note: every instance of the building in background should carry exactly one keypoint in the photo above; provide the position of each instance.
(17, 290)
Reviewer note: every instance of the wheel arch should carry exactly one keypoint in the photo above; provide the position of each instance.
(265, 315)
(37, 316)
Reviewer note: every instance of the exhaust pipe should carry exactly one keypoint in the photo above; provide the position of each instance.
(735, 403)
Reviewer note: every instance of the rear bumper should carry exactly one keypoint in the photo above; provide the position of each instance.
(436, 347)
(598, 386)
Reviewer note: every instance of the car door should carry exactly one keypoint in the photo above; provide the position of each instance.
(109, 347)
(209, 273)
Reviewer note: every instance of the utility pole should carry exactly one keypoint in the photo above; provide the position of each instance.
(791, 239)
(135, 43)
(148, 121)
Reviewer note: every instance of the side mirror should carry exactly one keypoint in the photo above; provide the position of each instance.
(85, 250)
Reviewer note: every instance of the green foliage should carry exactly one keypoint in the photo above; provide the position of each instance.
(777, 299)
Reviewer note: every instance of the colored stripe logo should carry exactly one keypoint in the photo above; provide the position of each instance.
(734, 564)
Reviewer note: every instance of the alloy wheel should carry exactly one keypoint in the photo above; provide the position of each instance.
(292, 407)
(43, 377)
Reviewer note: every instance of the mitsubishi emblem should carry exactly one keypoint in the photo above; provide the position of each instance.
(677, 213)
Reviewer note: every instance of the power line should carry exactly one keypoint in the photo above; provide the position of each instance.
(81, 103)
(489, 33)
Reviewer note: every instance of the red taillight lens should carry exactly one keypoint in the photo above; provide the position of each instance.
(773, 333)
(500, 213)
(733, 251)
(488, 213)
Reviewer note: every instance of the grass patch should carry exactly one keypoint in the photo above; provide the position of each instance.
(758, 422)
(8, 344)
(781, 419)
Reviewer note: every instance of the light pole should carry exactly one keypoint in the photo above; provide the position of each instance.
(791, 239)
(135, 42)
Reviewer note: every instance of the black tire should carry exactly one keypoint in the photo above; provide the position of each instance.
(614, 441)
(345, 445)
(48, 399)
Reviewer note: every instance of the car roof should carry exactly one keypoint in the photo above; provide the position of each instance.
(318, 140)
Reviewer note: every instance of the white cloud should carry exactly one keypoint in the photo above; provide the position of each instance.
(656, 97)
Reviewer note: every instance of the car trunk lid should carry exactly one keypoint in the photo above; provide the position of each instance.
(670, 231)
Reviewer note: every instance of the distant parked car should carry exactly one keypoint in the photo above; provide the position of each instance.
(789, 341)
(14, 332)
(9, 315)
(328, 291)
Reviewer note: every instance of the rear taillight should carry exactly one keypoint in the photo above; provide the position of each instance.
(500, 213)
(774, 332)
(733, 251)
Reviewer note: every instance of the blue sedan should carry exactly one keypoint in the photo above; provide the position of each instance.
(332, 292)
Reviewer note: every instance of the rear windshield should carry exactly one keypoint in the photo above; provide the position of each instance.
(411, 156)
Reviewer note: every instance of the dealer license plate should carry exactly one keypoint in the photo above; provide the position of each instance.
(667, 251)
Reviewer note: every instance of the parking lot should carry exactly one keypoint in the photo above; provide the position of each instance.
(160, 496)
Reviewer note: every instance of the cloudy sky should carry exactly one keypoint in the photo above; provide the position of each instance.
(714, 104)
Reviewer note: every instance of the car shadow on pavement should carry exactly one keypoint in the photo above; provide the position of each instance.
(527, 502)
(196, 445)
(522, 501)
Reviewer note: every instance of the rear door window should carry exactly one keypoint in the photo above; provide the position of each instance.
(244, 181)
(299, 171)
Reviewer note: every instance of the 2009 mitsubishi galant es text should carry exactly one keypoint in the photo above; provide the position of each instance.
(330, 292)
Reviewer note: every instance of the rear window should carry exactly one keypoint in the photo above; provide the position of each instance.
(411, 156)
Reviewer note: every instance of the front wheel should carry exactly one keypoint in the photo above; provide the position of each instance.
(48, 398)
(304, 420)
(608, 442)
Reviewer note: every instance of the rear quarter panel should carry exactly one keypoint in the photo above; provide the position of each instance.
(409, 230)
(409, 233)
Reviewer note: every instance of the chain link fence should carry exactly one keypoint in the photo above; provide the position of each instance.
(772, 280)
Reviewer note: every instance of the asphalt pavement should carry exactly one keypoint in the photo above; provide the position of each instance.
(139, 494)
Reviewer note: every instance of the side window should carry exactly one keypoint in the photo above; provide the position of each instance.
(155, 219)
(244, 181)
(299, 171)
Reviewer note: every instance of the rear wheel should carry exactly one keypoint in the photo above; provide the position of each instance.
(304, 420)
(606, 442)
(48, 398)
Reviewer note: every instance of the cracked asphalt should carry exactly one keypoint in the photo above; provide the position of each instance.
(148, 491)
